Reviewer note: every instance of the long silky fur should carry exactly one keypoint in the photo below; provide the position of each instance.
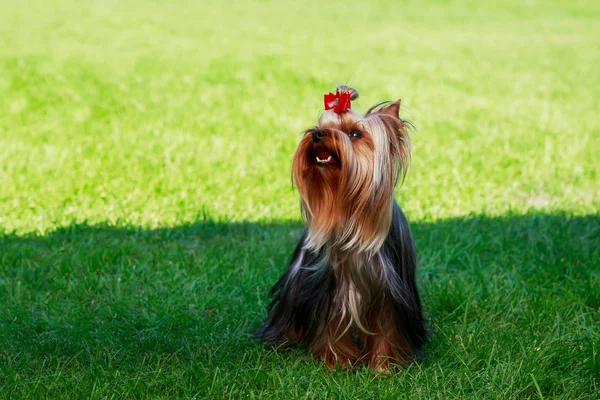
(303, 296)
(349, 293)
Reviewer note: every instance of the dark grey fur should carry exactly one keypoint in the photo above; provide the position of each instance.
(303, 297)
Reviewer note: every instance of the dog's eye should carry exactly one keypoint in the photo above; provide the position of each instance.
(354, 134)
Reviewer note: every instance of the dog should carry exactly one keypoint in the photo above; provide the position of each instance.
(349, 294)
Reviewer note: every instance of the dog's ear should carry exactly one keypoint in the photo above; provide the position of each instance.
(399, 127)
(392, 109)
(386, 108)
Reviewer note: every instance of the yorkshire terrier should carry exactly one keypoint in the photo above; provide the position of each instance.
(349, 293)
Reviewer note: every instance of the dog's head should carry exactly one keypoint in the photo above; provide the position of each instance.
(346, 168)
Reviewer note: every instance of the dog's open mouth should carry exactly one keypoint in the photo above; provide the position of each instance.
(323, 156)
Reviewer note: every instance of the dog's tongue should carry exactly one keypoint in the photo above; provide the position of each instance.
(323, 154)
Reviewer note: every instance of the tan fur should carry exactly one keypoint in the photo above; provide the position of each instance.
(386, 346)
(351, 205)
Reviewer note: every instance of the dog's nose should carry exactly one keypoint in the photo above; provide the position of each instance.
(318, 135)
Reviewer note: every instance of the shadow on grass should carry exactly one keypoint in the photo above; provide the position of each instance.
(115, 297)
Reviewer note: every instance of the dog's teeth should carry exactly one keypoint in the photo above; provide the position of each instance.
(323, 161)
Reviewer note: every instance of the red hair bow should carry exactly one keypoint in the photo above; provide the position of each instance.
(339, 102)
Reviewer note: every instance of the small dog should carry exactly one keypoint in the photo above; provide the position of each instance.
(349, 293)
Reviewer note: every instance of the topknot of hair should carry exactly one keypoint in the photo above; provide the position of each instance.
(353, 92)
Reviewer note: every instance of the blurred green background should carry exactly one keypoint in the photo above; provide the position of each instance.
(146, 204)
(147, 112)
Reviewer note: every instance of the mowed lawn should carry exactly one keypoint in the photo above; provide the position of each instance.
(146, 204)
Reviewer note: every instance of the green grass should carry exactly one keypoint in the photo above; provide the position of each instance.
(146, 205)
